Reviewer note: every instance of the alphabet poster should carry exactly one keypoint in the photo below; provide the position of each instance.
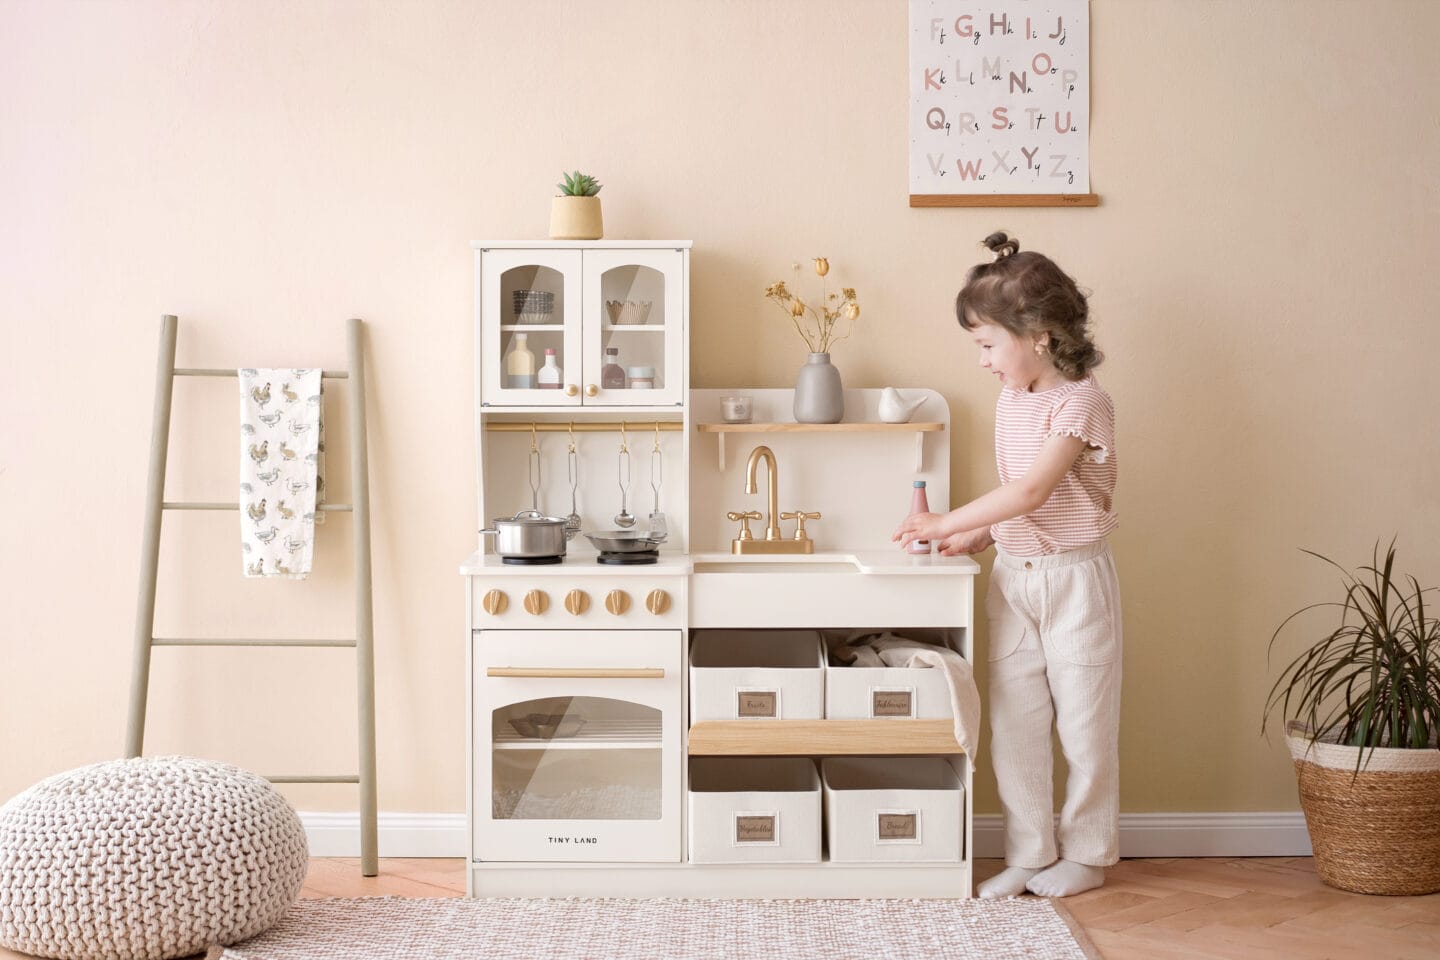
(999, 97)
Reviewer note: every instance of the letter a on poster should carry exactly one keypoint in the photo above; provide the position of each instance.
(999, 97)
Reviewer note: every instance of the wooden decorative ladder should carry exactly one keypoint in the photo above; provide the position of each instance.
(364, 640)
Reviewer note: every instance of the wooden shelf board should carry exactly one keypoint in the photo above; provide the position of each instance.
(722, 738)
(1005, 200)
(819, 427)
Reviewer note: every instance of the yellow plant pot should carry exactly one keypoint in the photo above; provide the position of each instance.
(575, 218)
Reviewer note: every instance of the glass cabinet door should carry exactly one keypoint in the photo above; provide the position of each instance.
(530, 320)
(634, 327)
(576, 759)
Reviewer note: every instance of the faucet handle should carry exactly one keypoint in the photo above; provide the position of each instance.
(744, 518)
(800, 516)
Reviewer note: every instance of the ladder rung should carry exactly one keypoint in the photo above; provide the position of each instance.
(343, 778)
(213, 505)
(223, 642)
(220, 372)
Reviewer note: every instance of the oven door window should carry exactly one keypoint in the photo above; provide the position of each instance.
(576, 758)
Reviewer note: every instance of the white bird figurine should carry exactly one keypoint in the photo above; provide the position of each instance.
(895, 407)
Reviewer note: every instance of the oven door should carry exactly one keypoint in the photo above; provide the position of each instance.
(577, 745)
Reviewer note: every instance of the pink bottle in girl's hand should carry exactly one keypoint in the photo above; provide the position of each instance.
(919, 504)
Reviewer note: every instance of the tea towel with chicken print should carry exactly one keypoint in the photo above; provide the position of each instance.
(282, 475)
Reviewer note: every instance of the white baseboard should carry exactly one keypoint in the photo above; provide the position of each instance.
(1185, 835)
(1141, 835)
(400, 834)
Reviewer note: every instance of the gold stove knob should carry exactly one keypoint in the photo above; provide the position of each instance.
(657, 602)
(617, 602)
(536, 602)
(495, 602)
(577, 602)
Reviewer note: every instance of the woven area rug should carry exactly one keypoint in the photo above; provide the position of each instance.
(571, 929)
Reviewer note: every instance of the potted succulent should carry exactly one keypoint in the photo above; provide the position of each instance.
(575, 213)
(1362, 701)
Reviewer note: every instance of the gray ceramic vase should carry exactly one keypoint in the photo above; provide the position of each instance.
(819, 395)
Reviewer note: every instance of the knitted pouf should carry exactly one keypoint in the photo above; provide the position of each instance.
(146, 859)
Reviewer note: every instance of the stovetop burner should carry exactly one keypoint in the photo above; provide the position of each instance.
(624, 559)
(532, 561)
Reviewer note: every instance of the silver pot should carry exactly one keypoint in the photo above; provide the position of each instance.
(529, 534)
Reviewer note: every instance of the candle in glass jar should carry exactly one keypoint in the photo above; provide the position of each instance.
(735, 409)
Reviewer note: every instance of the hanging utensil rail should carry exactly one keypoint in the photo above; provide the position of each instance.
(608, 426)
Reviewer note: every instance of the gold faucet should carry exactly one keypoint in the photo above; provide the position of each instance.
(772, 522)
(774, 541)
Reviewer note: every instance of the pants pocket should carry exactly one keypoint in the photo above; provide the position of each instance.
(1083, 620)
(1007, 627)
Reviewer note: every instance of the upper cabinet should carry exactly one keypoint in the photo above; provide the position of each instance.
(591, 324)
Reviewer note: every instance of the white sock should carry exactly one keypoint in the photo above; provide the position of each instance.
(1009, 882)
(1064, 878)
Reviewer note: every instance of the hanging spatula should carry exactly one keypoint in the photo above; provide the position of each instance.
(658, 530)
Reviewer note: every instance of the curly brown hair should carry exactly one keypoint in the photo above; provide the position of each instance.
(1027, 294)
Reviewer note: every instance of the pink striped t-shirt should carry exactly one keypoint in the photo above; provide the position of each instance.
(1082, 508)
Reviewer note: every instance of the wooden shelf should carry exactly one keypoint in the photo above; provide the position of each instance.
(733, 738)
(1005, 200)
(919, 429)
(819, 427)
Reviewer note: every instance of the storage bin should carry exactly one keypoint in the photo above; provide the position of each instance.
(893, 808)
(754, 810)
(757, 674)
(877, 693)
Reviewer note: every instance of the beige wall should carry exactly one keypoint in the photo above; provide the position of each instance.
(1263, 268)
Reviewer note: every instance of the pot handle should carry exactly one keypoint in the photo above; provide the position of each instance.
(491, 533)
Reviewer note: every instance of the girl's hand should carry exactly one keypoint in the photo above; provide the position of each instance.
(969, 543)
(920, 526)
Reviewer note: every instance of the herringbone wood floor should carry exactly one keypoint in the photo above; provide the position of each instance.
(1265, 909)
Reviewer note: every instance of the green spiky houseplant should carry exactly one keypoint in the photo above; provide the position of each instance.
(1362, 701)
(575, 213)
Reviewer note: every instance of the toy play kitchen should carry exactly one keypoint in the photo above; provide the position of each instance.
(652, 711)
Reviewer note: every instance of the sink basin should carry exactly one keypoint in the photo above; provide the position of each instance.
(771, 565)
(816, 591)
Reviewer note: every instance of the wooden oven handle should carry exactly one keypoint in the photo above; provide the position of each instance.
(573, 673)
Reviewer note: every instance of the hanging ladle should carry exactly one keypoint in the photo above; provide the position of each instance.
(624, 519)
(572, 522)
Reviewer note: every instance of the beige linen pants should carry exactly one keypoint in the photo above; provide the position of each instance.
(1055, 657)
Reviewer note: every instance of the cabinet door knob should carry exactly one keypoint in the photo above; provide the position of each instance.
(571, 390)
(617, 602)
(536, 602)
(657, 602)
(577, 602)
(495, 602)
(591, 390)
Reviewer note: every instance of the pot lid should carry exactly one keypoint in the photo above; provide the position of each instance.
(530, 518)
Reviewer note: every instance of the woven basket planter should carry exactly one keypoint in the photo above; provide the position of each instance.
(1376, 832)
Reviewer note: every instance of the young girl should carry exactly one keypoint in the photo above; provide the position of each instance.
(1054, 601)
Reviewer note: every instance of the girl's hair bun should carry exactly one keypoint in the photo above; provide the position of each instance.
(1002, 245)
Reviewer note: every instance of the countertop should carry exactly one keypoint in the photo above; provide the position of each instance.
(581, 560)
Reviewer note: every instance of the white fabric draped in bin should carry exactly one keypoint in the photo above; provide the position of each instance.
(282, 452)
(870, 649)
